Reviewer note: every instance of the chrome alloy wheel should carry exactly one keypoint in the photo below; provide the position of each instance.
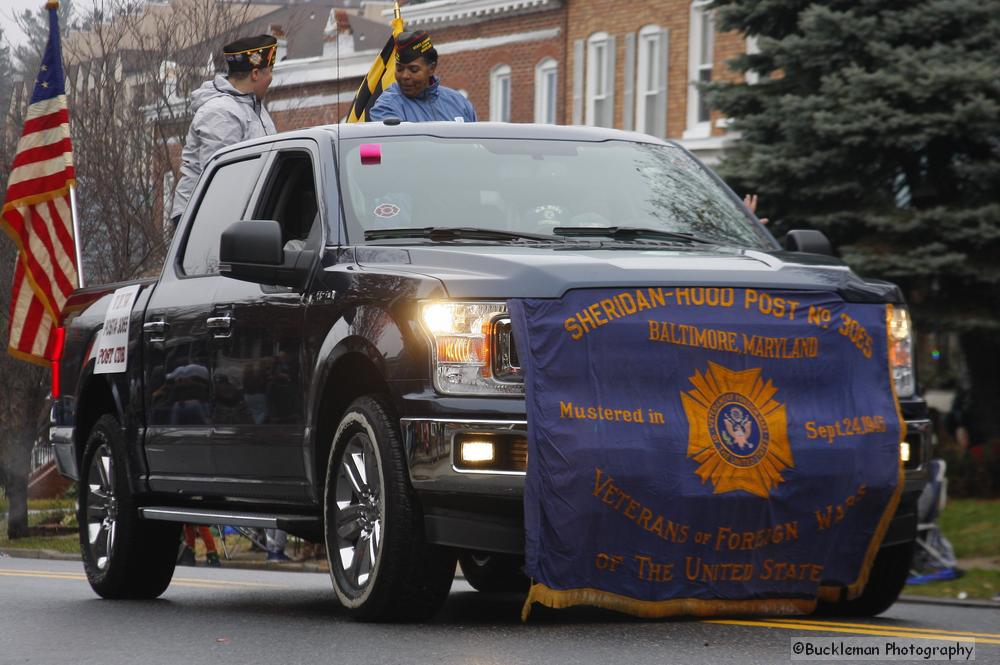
(360, 511)
(102, 507)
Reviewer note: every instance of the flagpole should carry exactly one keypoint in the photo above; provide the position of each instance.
(76, 236)
(54, 4)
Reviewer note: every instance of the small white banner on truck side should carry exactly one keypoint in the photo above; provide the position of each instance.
(112, 347)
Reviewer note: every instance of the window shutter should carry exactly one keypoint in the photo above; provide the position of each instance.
(661, 105)
(609, 117)
(628, 98)
(578, 70)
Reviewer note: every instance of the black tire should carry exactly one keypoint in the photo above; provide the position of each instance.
(885, 583)
(380, 564)
(494, 573)
(123, 555)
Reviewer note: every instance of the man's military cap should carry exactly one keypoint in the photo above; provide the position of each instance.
(413, 45)
(250, 53)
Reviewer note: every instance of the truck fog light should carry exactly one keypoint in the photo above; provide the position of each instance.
(474, 451)
(904, 451)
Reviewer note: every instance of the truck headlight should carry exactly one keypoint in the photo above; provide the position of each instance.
(462, 335)
(901, 351)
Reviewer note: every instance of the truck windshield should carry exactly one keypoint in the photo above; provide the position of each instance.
(532, 186)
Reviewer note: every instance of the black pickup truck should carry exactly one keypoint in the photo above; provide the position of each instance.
(330, 331)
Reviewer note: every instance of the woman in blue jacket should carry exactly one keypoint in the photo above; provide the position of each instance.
(417, 95)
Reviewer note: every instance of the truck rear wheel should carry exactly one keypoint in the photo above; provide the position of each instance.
(494, 573)
(381, 567)
(123, 555)
(885, 583)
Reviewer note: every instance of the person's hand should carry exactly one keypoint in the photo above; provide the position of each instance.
(750, 201)
(962, 438)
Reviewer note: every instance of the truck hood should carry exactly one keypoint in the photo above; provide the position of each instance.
(518, 271)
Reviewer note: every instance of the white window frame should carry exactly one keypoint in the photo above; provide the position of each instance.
(600, 90)
(546, 104)
(752, 75)
(651, 81)
(500, 93)
(169, 74)
(698, 127)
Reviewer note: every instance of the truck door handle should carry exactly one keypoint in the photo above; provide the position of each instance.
(222, 325)
(155, 330)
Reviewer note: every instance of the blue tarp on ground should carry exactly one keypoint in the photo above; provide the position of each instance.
(705, 450)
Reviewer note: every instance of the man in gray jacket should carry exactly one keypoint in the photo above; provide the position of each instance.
(227, 110)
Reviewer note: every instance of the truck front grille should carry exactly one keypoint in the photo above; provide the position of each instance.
(519, 454)
(506, 364)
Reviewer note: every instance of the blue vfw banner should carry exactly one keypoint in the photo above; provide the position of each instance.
(705, 450)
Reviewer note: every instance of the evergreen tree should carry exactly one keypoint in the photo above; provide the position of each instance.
(6, 75)
(878, 122)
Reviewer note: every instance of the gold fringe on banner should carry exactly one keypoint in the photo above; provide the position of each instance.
(660, 609)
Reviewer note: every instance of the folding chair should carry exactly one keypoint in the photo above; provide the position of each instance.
(934, 558)
(246, 532)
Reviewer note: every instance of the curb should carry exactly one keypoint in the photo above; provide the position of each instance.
(954, 602)
(287, 567)
(21, 553)
(290, 567)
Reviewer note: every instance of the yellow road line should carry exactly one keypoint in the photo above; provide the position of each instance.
(42, 573)
(221, 583)
(197, 585)
(178, 581)
(944, 637)
(821, 622)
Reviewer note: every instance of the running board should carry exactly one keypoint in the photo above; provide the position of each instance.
(229, 518)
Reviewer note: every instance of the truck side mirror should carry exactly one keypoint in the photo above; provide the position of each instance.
(256, 242)
(251, 251)
(809, 241)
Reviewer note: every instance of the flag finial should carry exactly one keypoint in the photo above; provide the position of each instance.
(52, 4)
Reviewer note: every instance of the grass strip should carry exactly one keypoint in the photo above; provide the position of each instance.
(975, 583)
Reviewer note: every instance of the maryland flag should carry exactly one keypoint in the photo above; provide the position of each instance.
(380, 76)
(37, 213)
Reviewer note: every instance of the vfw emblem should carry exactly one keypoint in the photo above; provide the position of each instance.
(737, 431)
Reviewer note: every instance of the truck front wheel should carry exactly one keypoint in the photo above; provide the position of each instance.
(885, 583)
(123, 555)
(381, 566)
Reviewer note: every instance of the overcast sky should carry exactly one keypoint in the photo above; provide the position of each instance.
(7, 11)
(8, 8)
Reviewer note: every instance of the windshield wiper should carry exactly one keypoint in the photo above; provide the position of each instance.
(628, 233)
(457, 233)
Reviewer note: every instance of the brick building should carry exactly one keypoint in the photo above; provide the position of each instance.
(627, 65)
(595, 62)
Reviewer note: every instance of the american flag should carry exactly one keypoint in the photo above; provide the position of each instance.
(37, 212)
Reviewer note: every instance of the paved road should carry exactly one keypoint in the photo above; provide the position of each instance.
(48, 614)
